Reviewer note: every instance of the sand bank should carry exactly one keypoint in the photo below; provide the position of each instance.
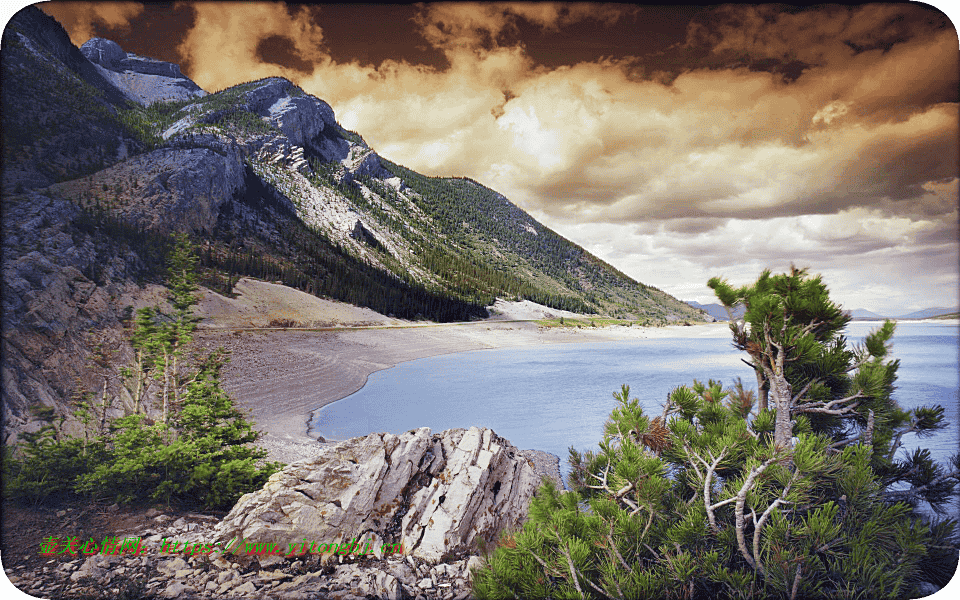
(281, 376)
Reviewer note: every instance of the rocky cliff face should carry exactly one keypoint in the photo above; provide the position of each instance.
(63, 296)
(436, 494)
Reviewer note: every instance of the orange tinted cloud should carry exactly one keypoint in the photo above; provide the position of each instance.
(475, 25)
(222, 47)
(78, 18)
(853, 155)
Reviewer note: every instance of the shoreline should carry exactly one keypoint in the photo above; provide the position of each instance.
(280, 377)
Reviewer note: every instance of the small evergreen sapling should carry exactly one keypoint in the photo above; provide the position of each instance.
(199, 455)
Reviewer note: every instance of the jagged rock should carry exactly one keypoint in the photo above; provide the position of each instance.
(434, 493)
(364, 161)
(150, 66)
(301, 118)
(364, 235)
(177, 589)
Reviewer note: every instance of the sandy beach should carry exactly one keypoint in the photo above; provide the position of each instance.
(281, 375)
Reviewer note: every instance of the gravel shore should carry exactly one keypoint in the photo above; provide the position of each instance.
(282, 375)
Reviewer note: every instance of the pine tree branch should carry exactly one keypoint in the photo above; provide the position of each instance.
(913, 493)
(796, 582)
(897, 440)
(573, 570)
(741, 499)
(758, 524)
(805, 389)
(827, 408)
(615, 555)
(708, 485)
(616, 552)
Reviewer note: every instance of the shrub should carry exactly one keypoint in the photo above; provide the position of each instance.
(203, 458)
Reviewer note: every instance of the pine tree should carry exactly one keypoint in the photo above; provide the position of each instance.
(717, 498)
(182, 275)
(791, 331)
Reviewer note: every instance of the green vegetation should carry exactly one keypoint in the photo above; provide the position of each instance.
(147, 123)
(600, 322)
(196, 455)
(955, 315)
(243, 122)
(350, 136)
(711, 499)
(64, 127)
(521, 258)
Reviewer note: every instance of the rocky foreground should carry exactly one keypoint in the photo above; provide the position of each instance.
(328, 527)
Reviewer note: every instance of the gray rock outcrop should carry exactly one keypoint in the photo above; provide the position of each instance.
(301, 118)
(103, 52)
(60, 293)
(144, 80)
(436, 494)
(184, 186)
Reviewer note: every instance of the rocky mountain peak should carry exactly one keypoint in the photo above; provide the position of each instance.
(141, 79)
(103, 52)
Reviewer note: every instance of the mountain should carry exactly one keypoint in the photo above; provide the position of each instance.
(862, 313)
(928, 313)
(106, 154)
(717, 311)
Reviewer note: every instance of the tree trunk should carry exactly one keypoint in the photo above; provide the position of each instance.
(176, 380)
(782, 398)
(103, 408)
(166, 384)
(138, 386)
(762, 391)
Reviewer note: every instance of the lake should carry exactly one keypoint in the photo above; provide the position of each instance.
(550, 397)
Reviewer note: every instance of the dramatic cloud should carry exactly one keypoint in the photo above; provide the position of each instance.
(229, 40)
(80, 18)
(759, 136)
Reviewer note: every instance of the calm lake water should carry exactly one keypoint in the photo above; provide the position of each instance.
(553, 396)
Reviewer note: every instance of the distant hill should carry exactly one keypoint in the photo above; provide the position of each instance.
(862, 313)
(858, 314)
(717, 311)
(928, 313)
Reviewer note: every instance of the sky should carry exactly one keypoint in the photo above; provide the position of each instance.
(676, 143)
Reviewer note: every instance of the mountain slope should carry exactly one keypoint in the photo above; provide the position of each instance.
(717, 311)
(104, 160)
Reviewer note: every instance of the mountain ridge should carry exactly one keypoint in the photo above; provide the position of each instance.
(718, 312)
(97, 176)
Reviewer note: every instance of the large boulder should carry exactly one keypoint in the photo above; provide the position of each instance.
(436, 493)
